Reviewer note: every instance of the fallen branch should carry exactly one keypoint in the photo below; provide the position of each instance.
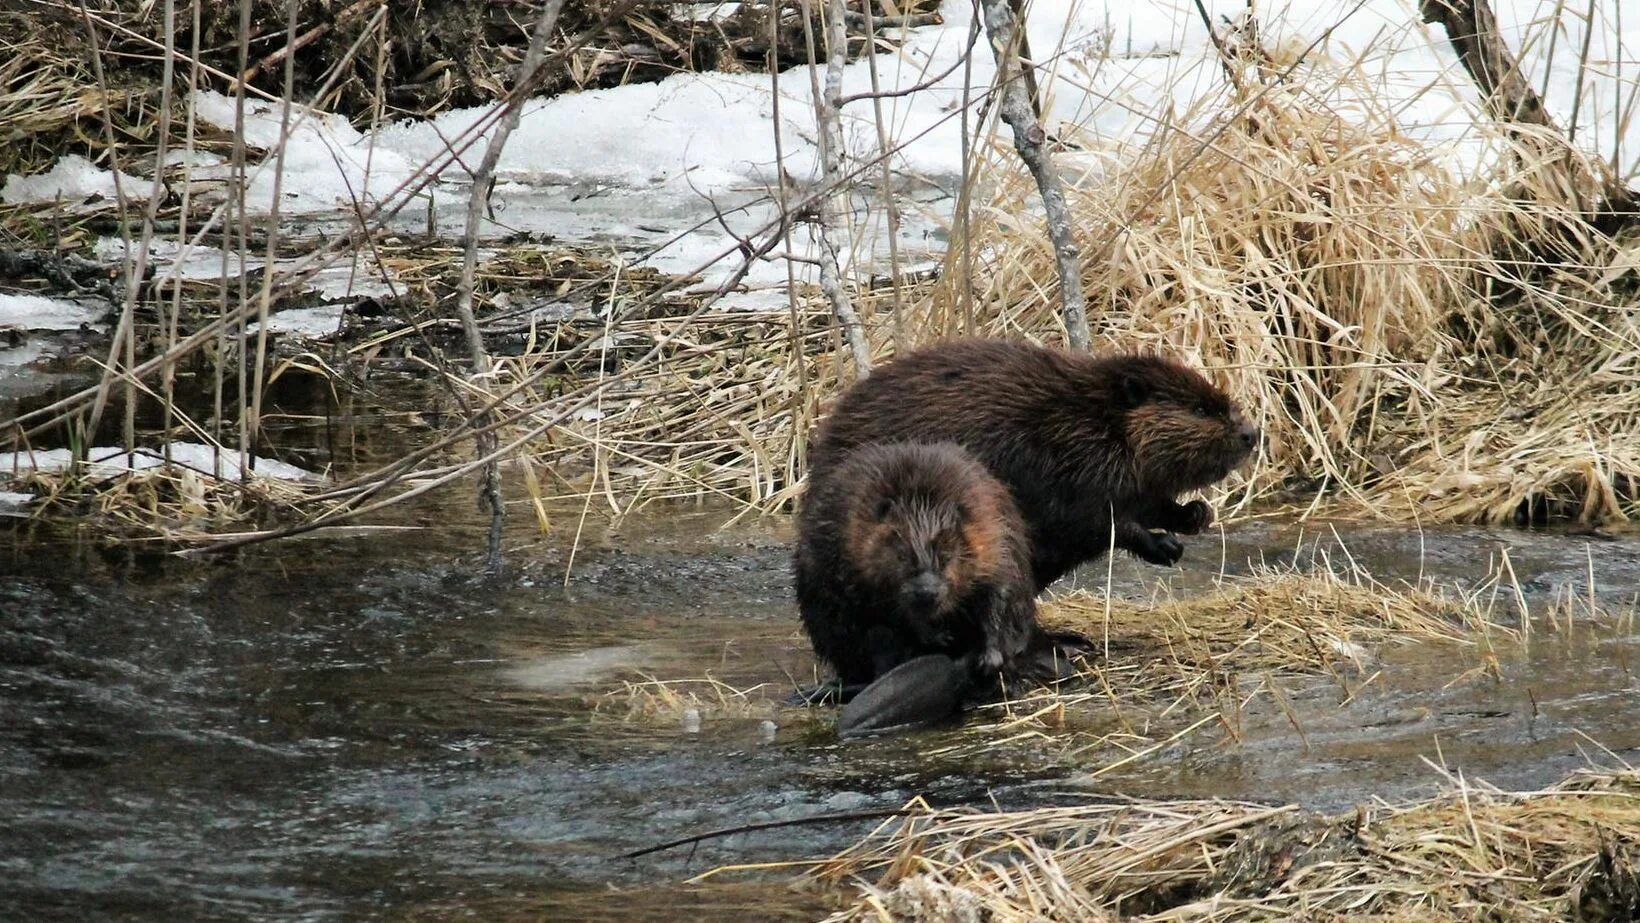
(871, 814)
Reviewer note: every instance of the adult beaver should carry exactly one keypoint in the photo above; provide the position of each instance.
(907, 550)
(1081, 442)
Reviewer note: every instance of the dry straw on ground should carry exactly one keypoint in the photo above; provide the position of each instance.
(1571, 852)
(1177, 667)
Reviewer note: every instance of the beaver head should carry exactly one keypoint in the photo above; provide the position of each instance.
(923, 526)
(1182, 431)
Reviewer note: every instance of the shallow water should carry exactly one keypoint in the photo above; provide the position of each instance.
(356, 728)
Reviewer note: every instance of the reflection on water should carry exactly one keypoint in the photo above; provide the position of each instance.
(340, 729)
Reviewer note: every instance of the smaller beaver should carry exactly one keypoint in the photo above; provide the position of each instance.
(1092, 449)
(905, 550)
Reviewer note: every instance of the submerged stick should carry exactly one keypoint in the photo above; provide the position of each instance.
(1017, 111)
(869, 814)
(484, 442)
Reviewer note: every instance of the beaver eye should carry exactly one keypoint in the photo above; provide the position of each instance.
(1203, 410)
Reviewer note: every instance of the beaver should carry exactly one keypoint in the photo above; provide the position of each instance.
(1091, 448)
(906, 550)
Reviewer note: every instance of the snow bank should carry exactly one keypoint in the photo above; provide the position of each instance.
(328, 164)
(1117, 68)
(35, 312)
(73, 179)
(1112, 67)
(106, 460)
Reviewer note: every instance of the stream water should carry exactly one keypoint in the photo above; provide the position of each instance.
(355, 728)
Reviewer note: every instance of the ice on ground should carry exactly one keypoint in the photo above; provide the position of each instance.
(72, 179)
(317, 321)
(37, 312)
(15, 357)
(105, 460)
(12, 502)
(356, 278)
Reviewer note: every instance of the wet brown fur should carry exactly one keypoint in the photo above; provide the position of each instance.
(1087, 446)
(889, 517)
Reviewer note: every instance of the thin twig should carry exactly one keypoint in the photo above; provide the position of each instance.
(484, 444)
(868, 814)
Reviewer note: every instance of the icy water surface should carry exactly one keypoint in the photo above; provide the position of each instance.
(360, 728)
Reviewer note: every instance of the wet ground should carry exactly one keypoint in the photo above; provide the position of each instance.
(361, 728)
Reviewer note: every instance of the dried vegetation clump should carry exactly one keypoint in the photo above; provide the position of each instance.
(1571, 852)
(1414, 341)
(1167, 669)
(671, 701)
(173, 501)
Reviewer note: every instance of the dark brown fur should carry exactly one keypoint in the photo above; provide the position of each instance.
(1079, 441)
(908, 550)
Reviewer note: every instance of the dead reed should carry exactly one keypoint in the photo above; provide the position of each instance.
(1473, 853)
(1168, 669)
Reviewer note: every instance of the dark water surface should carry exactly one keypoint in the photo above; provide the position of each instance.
(361, 728)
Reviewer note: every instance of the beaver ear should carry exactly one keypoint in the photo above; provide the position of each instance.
(884, 507)
(1131, 390)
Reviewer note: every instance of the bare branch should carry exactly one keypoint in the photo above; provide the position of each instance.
(484, 443)
(1016, 110)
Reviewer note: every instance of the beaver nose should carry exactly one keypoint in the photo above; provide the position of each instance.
(923, 591)
(1248, 434)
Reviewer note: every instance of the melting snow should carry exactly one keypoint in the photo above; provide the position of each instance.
(113, 460)
(73, 179)
(35, 312)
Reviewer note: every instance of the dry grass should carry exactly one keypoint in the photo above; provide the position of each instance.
(175, 502)
(1471, 854)
(1179, 667)
(1414, 341)
(686, 700)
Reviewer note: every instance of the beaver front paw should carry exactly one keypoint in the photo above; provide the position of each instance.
(1163, 548)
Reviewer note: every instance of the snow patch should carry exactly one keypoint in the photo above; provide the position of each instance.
(71, 179)
(317, 321)
(105, 460)
(37, 312)
(328, 163)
